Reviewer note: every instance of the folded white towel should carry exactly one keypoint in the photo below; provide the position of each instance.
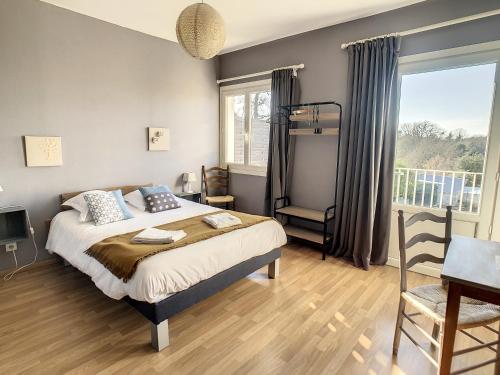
(158, 236)
(222, 220)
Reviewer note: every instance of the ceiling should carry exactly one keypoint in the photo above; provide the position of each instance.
(247, 22)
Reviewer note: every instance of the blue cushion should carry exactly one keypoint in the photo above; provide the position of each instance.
(148, 190)
(121, 203)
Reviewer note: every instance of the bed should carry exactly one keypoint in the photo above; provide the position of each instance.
(169, 282)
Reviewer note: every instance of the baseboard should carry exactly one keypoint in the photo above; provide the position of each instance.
(418, 268)
(39, 264)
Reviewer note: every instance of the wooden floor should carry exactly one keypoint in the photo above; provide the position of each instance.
(317, 318)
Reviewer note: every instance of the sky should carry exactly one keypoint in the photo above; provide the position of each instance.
(458, 98)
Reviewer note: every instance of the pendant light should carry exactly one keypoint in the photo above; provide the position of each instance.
(200, 31)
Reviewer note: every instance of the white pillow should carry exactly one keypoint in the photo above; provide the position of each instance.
(104, 207)
(78, 203)
(135, 199)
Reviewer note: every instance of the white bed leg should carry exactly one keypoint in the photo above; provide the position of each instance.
(273, 269)
(159, 335)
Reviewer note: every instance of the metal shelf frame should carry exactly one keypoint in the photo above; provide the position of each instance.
(285, 201)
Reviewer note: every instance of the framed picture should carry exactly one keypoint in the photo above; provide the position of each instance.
(159, 139)
(43, 151)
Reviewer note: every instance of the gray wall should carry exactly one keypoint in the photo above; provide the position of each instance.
(324, 77)
(98, 86)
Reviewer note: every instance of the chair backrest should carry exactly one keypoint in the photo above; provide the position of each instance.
(214, 181)
(421, 237)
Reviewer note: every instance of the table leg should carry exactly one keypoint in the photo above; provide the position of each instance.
(450, 328)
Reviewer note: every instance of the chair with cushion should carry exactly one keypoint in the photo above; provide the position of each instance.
(429, 301)
(215, 187)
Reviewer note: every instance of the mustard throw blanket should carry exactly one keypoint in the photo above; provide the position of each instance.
(121, 257)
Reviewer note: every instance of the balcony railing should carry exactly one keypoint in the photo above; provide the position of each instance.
(438, 189)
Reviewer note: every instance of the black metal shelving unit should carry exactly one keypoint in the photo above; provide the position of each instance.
(312, 115)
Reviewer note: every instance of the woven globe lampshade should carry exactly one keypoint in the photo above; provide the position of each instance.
(200, 31)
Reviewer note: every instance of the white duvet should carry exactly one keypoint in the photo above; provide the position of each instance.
(166, 273)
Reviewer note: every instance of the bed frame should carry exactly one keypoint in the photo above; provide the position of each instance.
(158, 313)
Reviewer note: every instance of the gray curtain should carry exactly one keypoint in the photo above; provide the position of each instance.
(279, 163)
(367, 148)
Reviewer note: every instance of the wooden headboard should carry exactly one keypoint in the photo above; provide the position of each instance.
(125, 190)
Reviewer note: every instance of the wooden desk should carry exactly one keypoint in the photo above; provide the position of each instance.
(471, 269)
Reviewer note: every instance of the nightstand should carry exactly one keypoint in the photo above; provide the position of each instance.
(194, 196)
(13, 225)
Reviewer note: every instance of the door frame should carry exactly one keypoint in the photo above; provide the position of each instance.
(476, 54)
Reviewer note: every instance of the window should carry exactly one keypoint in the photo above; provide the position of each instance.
(245, 112)
(444, 123)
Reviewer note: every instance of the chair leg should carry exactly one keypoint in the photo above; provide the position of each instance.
(440, 340)
(435, 335)
(497, 363)
(399, 324)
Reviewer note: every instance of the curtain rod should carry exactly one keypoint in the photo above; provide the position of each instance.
(294, 67)
(430, 27)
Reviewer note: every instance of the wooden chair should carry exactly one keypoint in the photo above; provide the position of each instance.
(215, 187)
(430, 300)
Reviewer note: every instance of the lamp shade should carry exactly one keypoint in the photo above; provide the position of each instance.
(189, 177)
(200, 31)
(1, 188)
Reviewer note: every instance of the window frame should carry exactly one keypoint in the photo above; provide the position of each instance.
(240, 89)
(470, 55)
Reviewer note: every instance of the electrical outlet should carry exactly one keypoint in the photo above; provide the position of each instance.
(12, 246)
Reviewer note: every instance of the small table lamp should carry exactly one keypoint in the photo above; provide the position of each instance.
(1, 188)
(189, 177)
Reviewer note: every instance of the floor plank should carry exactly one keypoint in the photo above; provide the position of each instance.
(316, 318)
